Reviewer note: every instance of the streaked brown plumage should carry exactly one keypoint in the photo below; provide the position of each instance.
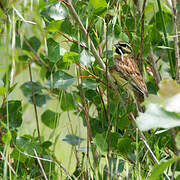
(125, 71)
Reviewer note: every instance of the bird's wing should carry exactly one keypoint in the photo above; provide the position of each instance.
(129, 70)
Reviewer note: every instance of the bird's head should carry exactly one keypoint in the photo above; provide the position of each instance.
(123, 48)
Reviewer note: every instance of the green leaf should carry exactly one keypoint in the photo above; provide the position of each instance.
(50, 119)
(125, 146)
(67, 102)
(27, 145)
(41, 99)
(7, 138)
(98, 4)
(66, 27)
(56, 11)
(71, 57)
(114, 140)
(85, 58)
(46, 144)
(159, 169)
(14, 110)
(34, 42)
(2, 91)
(73, 140)
(53, 50)
(54, 26)
(26, 88)
(100, 142)
(62, 80)
(18, 155)
(90, 84)
(162, 110)
(178, 140)
(123, 122)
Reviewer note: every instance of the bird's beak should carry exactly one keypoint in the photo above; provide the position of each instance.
(116, 45)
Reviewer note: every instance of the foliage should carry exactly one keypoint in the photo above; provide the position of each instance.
(80, 126)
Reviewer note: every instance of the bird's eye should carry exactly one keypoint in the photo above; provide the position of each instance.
(124, 45)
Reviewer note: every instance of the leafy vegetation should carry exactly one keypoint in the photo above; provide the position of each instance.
(62, 116)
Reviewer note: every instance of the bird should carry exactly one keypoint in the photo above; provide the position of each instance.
(126, 73)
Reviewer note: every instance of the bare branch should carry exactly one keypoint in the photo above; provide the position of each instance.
(154, 67)
(176, 47)
(142, 36)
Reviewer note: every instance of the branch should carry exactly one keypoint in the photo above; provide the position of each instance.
(34, 103)
(102, 65)
(154, 67)
(176, 47)
(92, 48)
(142, 36)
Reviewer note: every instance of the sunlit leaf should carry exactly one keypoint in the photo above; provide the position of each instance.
(2, 91)
(100, 142)
(98, 3)
(56, 11)
(54, 26)
(90, 84)
(62, 80)
(67, 102)
(7, 138)
(71, 57)
(156, 117)
(159, 169)
(85, 58)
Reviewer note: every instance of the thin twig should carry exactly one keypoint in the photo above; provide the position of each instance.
(174, 11)
(142, 37)
(154, 67)
(92, 47)
(107, 19)
(72, 41)
(173, 135)
(42, 169)
(3, 158)
(34, 103)
(55, 161)
(93, 75)
(100, 61)
(152, 154)
(13, 51)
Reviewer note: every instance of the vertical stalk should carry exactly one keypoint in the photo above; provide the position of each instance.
(86, 112)
(34, 103)
(172, 70)
(107, 19)
(142, 36)
(176, 47)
